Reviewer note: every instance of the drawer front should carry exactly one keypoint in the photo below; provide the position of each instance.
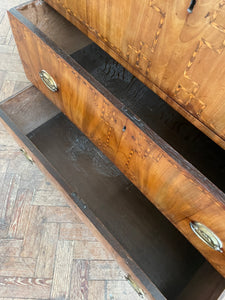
(76, 97)
(179, 55)
(168, 181)
(208, 218)
(179, 194)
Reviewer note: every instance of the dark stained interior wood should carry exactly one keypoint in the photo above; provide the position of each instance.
(28, 110)
(205, 284)
(190, 142)
(56, 27)
(157, 248)
(149, 238)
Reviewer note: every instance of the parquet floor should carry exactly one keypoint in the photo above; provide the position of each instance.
(46, 252)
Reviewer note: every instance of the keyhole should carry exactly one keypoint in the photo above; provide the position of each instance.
(191, 6)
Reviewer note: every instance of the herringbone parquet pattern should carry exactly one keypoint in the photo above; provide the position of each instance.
(46, 252)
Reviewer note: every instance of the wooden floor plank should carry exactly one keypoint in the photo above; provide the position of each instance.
(10, 247)
(79, 280)
(6, 49)
(16, 76)
(8, 195)
(17, 266)
(120, 290)
(10, 63)
(69, 231)
(25, 287)
(97, 290)
(33, 180)
(62, 271)
(31, 244)
(8, 85)
(4, 26)
(19, 299)
(20, 214)
(49, 197)
(7, 143)
(3, 166)
(105, 270)
(3, 230)
(19, 163)
(59, 214)
(47, 250)
(2, 76)
(90, 250)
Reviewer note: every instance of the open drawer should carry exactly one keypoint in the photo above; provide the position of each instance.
(156, 257)
(129, 124)
(178, 54)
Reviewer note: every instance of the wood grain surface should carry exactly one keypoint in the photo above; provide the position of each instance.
(31, 209)
(173, 185)
(140, 229)
(79, 215)
(23, 186)
(209, 286)
(177, 54)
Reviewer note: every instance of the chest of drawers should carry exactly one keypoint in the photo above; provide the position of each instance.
(133, 128)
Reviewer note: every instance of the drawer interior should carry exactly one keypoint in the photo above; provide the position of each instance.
(157, 249)
(190, 142)
(185, 138)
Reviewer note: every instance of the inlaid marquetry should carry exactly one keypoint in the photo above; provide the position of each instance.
(178, 55)
(24, 189)
(161, 174)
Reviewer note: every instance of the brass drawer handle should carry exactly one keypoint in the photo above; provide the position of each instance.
(134, 286)
(48, 81)
(27, 155)
(207, 236)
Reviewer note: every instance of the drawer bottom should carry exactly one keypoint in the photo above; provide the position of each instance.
(145, 243)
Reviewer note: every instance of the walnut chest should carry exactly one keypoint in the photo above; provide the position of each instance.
(145, 180)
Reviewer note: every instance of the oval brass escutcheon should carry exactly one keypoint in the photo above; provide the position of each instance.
(207, 236)
(48, 81)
